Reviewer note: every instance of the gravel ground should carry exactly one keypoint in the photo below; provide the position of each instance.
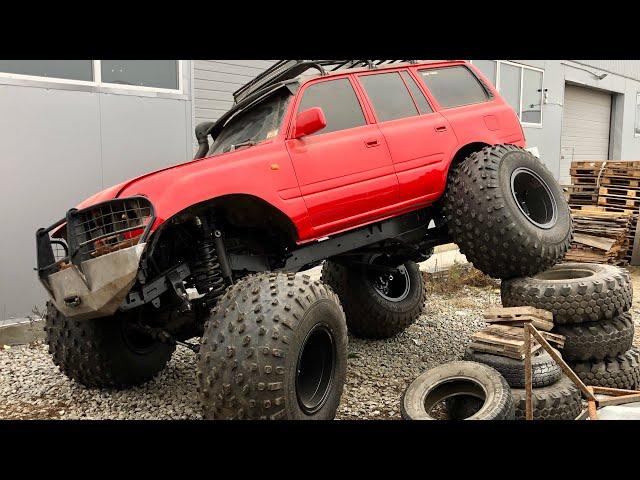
(31, 387)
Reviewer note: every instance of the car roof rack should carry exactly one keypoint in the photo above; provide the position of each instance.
(289, 69)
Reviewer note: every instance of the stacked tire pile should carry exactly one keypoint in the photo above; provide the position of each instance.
(555, 397)
(590, 304)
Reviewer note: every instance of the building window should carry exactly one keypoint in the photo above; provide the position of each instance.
(453, 86)
(68, 69)
(156, 75)
(520, 85)
(637, 130)
(142, 73)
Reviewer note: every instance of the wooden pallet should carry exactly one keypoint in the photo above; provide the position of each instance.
(629, 203)
(626, 182)
(618, 192)
(508, 341)
(541, 319)
(588, 180)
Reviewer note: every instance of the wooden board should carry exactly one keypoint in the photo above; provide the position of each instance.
(536, 322)
(496, 350)
(514, 312)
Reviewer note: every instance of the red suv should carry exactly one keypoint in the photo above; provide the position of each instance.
(362, 165)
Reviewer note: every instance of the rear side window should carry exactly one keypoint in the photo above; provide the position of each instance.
(389, 96)
(338, 102)
(418, 96)
(454, 86)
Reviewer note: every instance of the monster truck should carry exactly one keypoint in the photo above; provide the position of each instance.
(359, 166)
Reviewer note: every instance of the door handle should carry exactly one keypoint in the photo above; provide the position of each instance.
(441, 128)
(372, 142)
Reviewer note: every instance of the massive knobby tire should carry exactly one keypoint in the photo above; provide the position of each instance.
(544, 370)
(275, 347)
(104, 352)
(376, 306)
(622, 371)
(597, 340)
(573, 292)
(560, 401)
(459, 382)
(507, 213)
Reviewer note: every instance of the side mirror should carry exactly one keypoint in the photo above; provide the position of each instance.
(310, 121)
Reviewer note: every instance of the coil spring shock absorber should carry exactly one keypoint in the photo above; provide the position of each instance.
(211, 266)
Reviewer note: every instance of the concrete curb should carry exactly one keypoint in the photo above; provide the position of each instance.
(21, 332)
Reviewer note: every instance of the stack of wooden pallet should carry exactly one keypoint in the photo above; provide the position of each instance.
(599, 187)
(505, 334)
(599, 236)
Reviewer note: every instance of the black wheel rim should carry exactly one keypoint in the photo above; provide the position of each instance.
(392, 286)
(534, 198)
(315, 369)
(137, 341)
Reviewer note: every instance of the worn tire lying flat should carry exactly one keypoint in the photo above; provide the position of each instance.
(369, 315)
(96, 353)
(544, 370)
(459, 380)
(622, 371)
(597, 340)
(560, 401)
(487, 222)
(573, 292)
(255, 344)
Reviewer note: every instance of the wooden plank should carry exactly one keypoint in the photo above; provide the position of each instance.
(526, 310)
(563, 365)
(540, 324)
(613, 391)
(528, 384)
(601, 243)
(620, 400)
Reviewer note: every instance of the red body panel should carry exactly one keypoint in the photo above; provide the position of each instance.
(328, 183)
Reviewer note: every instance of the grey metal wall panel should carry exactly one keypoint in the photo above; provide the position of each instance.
(628, 68)
(141, 138)
(59, 146)
(216, 80)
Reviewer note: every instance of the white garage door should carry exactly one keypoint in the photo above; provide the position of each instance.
(586, 120)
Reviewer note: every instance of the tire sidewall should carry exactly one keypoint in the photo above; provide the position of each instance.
(523, 159)
(413, 400)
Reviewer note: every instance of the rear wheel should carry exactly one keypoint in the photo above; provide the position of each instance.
(378, 303)
(507, 213)
(104, 352)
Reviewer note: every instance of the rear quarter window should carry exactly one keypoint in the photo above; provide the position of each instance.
(454, 86)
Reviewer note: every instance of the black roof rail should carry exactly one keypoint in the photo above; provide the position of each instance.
(288, 69)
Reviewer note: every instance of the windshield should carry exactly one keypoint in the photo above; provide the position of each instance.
(258, 123)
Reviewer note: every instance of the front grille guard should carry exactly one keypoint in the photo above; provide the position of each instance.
(94, 231)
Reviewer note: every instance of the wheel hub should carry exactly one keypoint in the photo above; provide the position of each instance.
(534, 198)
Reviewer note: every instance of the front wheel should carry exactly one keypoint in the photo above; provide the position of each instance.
(275, 347)
(378, 303)
(104, 352)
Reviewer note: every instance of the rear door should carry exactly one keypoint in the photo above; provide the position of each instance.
(345, 171)
(420, 140)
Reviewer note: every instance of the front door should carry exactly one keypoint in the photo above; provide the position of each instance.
(345, 171)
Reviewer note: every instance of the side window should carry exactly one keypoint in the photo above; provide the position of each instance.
(418, 96)
(389, 96)
(338, 102)
(454, 86)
